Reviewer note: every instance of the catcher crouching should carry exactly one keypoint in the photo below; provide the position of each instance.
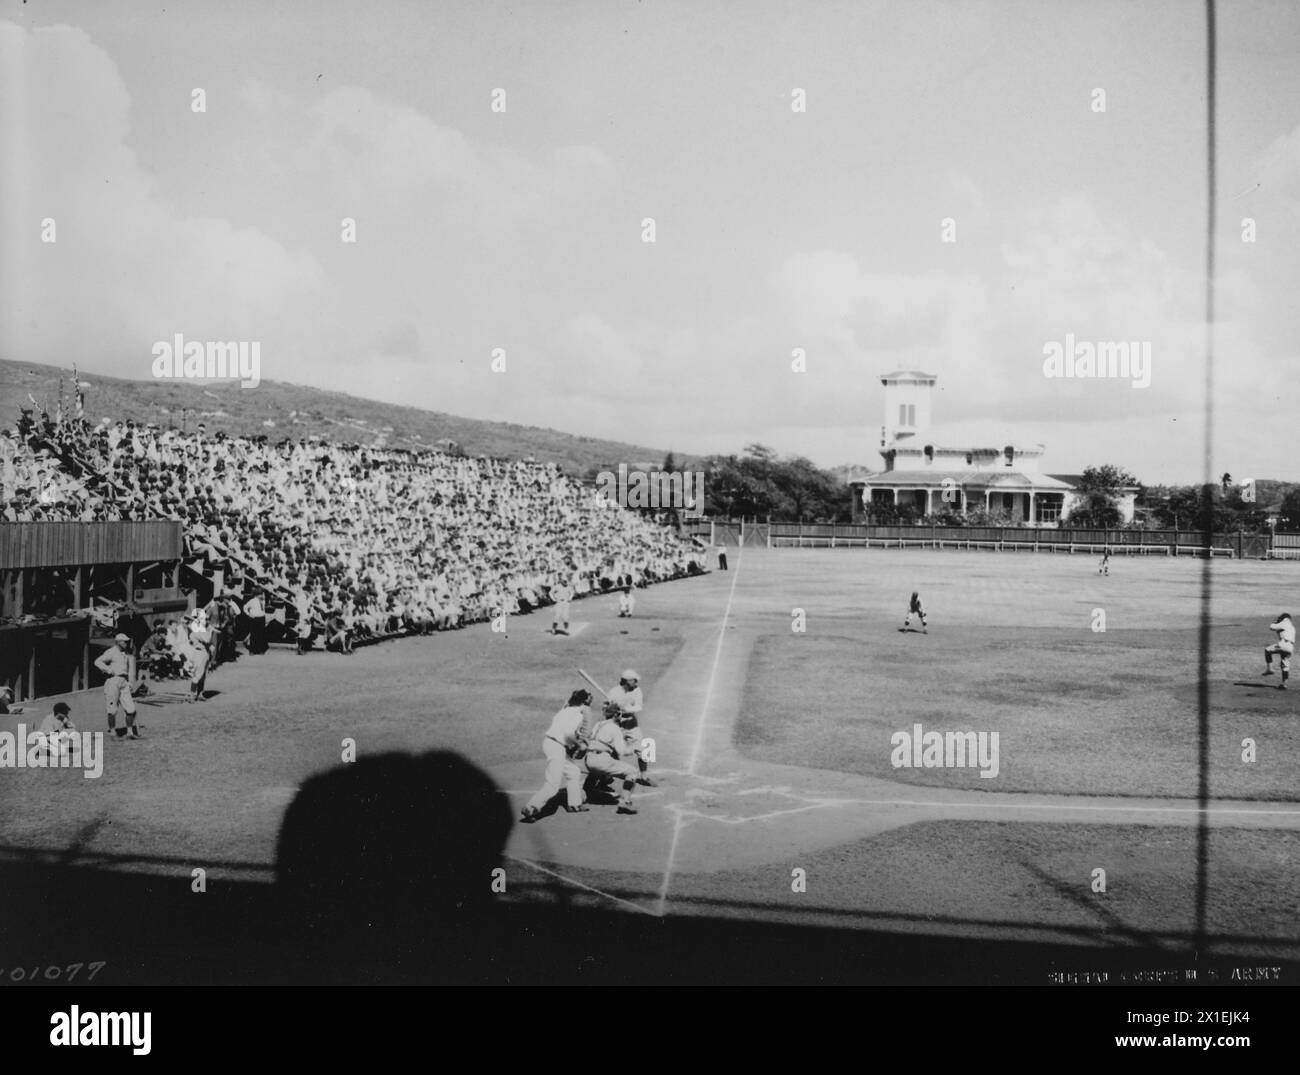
(608, 757)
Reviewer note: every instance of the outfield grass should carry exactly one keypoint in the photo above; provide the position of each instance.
(1011, 648)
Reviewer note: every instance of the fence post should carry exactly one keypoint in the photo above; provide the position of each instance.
(1239, 545)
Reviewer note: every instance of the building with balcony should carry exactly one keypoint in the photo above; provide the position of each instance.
(933, 470)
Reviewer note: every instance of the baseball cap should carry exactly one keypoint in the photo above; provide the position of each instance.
(630, 674)
(121, 638)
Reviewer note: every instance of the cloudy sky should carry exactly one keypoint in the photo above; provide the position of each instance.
(775, 229)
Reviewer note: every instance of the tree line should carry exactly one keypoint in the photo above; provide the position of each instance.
(759, 484)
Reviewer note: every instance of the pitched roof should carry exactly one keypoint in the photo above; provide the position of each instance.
(980, 479)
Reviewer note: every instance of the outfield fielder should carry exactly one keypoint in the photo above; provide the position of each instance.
(563, 747)
(1284, 647)
(914, 609)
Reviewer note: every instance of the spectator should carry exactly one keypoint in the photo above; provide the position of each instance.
(395, 541)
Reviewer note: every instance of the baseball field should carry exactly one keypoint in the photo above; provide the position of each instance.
(777, 696)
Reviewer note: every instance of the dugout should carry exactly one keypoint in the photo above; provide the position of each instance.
(53, 576)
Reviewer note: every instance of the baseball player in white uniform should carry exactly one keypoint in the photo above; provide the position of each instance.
(199, 653)
(563, 746)
(627, 696)
(607, 756)
(1284, 647)
(118, 663)
(626, 602)
(563, 594)
(59, 731)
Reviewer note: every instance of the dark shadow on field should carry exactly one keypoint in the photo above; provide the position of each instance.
(385, 872)
(1115, 927)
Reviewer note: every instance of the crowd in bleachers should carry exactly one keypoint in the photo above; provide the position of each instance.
(381, 540)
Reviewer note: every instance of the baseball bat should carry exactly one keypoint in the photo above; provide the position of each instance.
(593, 683)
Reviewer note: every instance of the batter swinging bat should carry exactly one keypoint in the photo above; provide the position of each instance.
(593, 683)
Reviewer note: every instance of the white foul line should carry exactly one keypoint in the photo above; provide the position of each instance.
(579, 884)
(956, 807)
(678, 824)
(713, 672)
(968, 805)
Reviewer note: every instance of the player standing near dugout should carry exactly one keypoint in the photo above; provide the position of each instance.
(914, 609)
(255, 610)
(198, 653)
(630, 701)
(118, 663)
(563, 747)
(1284, 647)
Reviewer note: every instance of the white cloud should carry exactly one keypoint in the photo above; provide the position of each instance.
(1278, 167)
(379, 148)
(127, 268)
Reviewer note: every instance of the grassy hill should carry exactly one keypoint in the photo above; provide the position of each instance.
(278, 410)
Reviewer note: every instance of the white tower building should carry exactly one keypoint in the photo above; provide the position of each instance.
(908, 406)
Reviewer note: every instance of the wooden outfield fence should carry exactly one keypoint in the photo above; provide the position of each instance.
(1000, 539)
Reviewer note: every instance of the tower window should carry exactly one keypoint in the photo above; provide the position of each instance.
(1010, 453)
(911, 414)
